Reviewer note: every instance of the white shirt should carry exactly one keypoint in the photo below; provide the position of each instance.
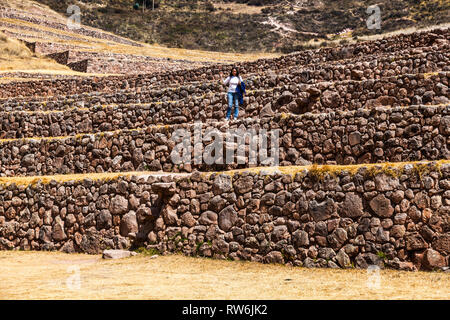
(233, 82)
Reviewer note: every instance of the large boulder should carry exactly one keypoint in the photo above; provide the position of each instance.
(244, 184)
(58, 233)
(414, 241)
(279, 233)
(207, 218)
(352, 206)
(170, 216)
(91, 242)
(442, 243)
(331, 99)
(117, 254)
(274, 257)
(432, 260)
(164, 188)
(221, 184)
(343, 259)
(266, 111)
(285, 98)
(300, 238)
(104, 219)
(28, 160)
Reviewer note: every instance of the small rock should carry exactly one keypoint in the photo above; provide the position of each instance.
(117, 254)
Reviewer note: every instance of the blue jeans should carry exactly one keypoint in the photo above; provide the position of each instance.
(233, 98)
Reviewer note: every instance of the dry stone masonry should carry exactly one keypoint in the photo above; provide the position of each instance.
(396, 217)
(206, 102)
(363, 176)
(391, 134)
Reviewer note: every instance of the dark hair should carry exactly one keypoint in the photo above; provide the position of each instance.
(237, 72)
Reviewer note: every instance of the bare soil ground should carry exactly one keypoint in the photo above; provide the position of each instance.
(52, 275)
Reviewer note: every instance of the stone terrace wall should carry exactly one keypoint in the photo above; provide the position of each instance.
(398, 43)
(80, 66)
(362, 136)
(380, 67)
(25, 75)
(387, 66)
(400, 219)
(60, 57)
(208, 102)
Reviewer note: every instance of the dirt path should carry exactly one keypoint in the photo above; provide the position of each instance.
(284, 29)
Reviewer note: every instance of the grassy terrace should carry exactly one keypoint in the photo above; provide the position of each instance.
(319, 171)
(250, 77)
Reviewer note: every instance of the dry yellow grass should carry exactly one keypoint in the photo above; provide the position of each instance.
(32, 63)
(87, 43)
(12, 48)
(15, 68)
(24, 180)
(45, 275)
(331, 169)
(348, 36)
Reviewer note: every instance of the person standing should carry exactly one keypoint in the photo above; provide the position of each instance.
(233, 81)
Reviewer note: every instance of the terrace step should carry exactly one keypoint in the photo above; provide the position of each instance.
(428, 62)
(27, 17)
(166, 177)
(102, 172)
(97, 118)
(198, 106)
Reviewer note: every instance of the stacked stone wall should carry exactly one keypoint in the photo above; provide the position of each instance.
(397, 217)
(363, 136)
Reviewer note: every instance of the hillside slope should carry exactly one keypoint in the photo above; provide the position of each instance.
(32, 31)
(252, 25)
